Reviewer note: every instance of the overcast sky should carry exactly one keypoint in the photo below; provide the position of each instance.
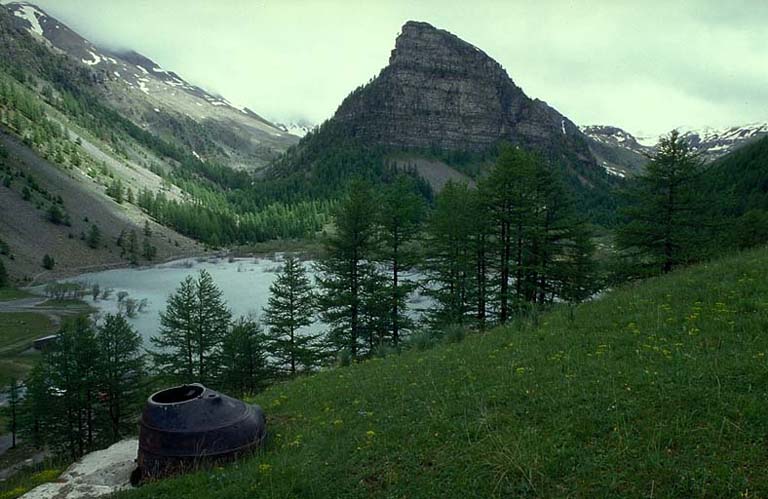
(647, 66)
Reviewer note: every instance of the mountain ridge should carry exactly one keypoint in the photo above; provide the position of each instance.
(161, 101)
(711, 143)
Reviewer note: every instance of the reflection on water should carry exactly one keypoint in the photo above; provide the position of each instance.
(244, 283)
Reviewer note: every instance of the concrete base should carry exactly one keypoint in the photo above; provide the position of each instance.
(96, 474)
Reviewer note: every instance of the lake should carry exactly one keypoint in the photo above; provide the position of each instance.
(244, 283)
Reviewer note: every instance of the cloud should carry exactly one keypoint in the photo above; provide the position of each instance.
(646, 66)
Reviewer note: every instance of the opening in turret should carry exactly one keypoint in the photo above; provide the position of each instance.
(178, 394)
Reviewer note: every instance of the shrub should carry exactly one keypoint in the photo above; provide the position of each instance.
(420, 340)
(48, 262)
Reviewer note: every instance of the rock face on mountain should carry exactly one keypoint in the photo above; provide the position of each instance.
(439, 91)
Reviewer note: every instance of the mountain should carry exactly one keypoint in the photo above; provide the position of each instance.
(297, 128)
(441, 98)
(714, 143)
(161, 101)
(70, 165)
(616, 150)
(623, 154)
(740, 178)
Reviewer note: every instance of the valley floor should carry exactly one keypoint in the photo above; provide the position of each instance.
(657, 389)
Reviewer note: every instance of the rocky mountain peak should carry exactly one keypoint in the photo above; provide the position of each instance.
(441, 92)
(420, 43)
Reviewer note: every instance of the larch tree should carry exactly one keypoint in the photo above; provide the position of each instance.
(12, 409)
(450, 265)
(120, 372)
(72, 387)
(291, 308)
(245, 369)
(193, 327)
(399, 218)
(507, 192)
(665, 226)
(345, 266)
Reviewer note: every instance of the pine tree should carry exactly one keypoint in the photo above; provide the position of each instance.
(193, 327)
(149, 251)
(12, 410)
(345, 266)
(291, 307)
(36, 408)
(116, 191)
(507, 191)
(213, 321)
(147, 229)
(244, 365)
(175, 353)
(120, 371)
(48, 262)
(559, 248)
(73, 384)
(133, 248)
(399, 216)
(450, 264)
(94, 237)
(665, 211)
(751, 229)
(4, 280)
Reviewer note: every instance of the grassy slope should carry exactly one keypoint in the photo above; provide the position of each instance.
(657, 389)
(17, 332)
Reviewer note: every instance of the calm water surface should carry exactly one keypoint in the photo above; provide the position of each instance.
(244, 283)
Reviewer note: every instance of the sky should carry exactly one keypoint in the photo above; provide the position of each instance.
(644, 65)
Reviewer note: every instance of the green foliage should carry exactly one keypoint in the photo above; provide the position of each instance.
(665, 212)
(85, 390)
(11, 410)
(48, 262)
(94, 237)
(193, 327)
(4, 279)
(751, 229)
(116, 191)
(451, 260)
(346, 267)
(222, 220)
(132, 248)
(245, 370)
(399, 217)
(291, 308)
(121, 370)
(57, 215)
(70, 377)
(149, 252)
(655, 387)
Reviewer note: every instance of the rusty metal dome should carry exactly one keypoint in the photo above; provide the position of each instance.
(186, 426)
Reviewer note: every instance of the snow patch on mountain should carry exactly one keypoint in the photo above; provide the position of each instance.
(96, 59)
(298, 129)
(31, 15)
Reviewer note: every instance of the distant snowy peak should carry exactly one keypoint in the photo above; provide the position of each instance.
(713, 143)
(710, 143)
(299, 129)
(614, 136)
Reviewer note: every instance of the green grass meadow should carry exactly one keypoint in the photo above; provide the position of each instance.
(658, 389)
